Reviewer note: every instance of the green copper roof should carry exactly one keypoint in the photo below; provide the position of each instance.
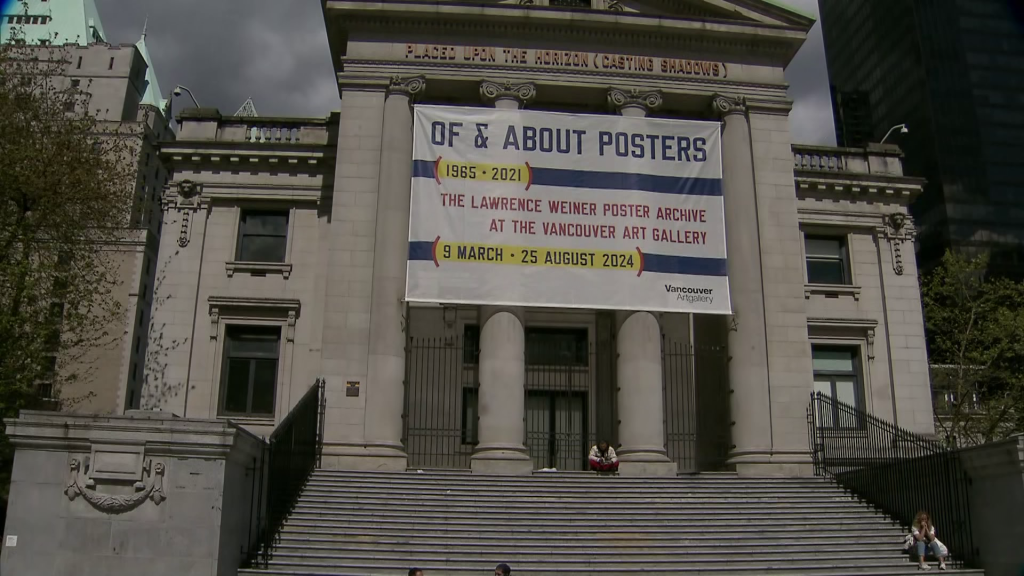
(792, 8)
(153, 95)
(54, 21)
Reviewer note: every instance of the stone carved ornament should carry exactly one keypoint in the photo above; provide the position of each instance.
(727, 105)
(112, 504)
(188, 200)
(491, 91)
(648, 99)
(411, 86)
(896, 232)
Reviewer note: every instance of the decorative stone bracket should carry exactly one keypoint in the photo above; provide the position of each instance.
(897, 230)
(112, 504)
(187, 202)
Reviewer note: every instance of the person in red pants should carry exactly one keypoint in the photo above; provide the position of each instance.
(603, 458)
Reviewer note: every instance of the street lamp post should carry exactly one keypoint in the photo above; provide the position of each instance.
(902, 127)
(178, 90)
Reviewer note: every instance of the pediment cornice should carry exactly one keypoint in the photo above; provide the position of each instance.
(774, 42)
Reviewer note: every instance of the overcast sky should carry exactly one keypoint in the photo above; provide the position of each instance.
(276, 52)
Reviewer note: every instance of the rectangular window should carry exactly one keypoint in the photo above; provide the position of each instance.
(827, 260)
(79, 66)
(75, 83)
(571, 3)
(470, 414)
(262, 236)
(837, 377)
(557, 347)
(249, 374)
(111, 65)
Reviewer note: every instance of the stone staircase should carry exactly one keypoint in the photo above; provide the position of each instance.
(361, 523)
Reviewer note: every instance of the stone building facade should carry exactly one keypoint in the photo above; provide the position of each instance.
(286, 253)
(123, 94)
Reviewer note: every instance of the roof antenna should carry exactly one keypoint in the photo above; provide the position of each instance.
(145, 26)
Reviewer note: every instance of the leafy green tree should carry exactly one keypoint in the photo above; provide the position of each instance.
(975, 330)
(67, 187)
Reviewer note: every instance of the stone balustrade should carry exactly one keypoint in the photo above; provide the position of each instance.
(209, 124)
(879, 159)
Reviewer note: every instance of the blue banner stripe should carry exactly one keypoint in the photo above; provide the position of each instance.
(663, 263)
(605, 180)
(688, 265)
(421, 251)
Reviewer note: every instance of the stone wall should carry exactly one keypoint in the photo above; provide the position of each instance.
(997, 503)
(145, 493)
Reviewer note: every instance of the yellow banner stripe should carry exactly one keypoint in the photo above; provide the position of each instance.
(452, 170)
(531, 256)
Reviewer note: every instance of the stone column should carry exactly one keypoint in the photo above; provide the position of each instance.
(385, 392)
(641, 396)
(502, 427)
(748, 346)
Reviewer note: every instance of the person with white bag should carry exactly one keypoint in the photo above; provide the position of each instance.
(922, 535)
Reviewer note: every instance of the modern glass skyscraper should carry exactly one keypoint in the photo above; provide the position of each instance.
(953, 71)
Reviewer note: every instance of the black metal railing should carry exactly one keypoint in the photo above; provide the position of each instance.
(289, 457)
(895, 470)
(442, 416)
(696, 416)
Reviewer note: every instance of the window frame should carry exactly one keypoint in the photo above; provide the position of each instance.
(240, 235)
(843, 258)
(859, 391)
(225, 368)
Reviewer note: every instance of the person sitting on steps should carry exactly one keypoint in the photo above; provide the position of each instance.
(603, 458)
(923, 532)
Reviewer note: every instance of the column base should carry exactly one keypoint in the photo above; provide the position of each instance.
(502, 459)
(790, 464)
(375, 457)
(646, 463)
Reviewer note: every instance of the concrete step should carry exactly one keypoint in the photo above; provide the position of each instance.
(415, 524)
(358, 523)
(561, 479)
(319, 556)
(556, 493)
(754, 515)
(431, 570)
(394, 538)
(476, 527)
(579, 507)
(637, 549)
(726, 567)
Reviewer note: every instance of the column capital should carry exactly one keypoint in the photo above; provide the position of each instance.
(411, 86)
(726, 105)
(523, 92)
(648, 100)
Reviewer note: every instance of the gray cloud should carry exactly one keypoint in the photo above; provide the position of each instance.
(227, 50)
(276, 52)
(811, 120)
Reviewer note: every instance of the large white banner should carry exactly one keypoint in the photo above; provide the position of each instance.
(571, 211)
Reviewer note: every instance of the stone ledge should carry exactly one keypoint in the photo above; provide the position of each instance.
(284, 269)
(161, 435)
(832, 290)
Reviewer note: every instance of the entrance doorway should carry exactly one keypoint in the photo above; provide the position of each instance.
(559, 378)
(556, 429)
